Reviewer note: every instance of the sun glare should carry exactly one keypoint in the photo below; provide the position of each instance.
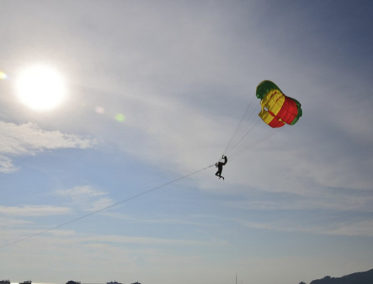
(40, 88)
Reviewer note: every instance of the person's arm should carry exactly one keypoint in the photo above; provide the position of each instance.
(225, 160)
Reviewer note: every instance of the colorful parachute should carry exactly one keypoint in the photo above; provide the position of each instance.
(277, 109)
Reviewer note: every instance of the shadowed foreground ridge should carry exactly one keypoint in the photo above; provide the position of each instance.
(354, 278)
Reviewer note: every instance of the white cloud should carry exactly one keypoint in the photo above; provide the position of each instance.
(32, 211)
(29, 139)
(11, 222)
(6, 165)
(77, 191)
(86, 197)
(333, 201)
(360, 228)
(150, 241)
(71, 236)
(157, 220)
(101, 203)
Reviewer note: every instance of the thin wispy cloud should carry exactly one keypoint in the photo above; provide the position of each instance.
(73, 237)
(6, 165)
(165, 220)
(79, 191)
(333, 201)
(34, 210)
(12, 222)
(348, 229)
(86, 197)
(150, 241)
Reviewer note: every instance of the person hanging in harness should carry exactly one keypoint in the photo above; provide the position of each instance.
(220, 165)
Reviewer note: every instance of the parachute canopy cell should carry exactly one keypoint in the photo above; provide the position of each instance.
(277, 109)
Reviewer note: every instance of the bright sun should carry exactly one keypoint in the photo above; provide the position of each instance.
(40, 87)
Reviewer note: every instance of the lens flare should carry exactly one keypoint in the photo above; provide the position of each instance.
(120, 117)
(3, 75)
(99, 110)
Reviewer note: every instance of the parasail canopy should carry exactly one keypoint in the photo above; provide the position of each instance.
(277, 109)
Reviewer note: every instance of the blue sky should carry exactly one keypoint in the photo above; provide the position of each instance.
(296, 204)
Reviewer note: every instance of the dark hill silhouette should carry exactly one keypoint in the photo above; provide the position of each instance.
(355, 278)
(72, 282)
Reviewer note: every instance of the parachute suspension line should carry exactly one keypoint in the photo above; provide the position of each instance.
(238, 126)
(252, 123)
(249, 129)
(256, 142)
(115, 204)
